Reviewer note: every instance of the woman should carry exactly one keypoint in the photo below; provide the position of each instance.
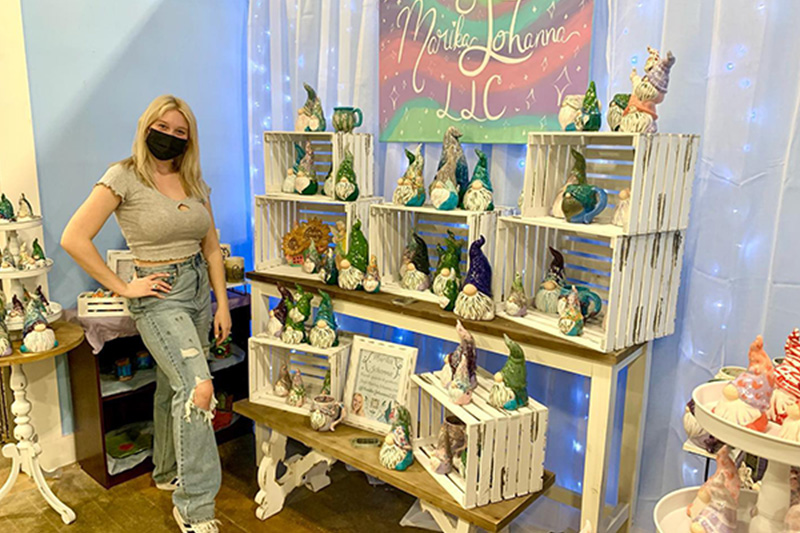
(162, 205)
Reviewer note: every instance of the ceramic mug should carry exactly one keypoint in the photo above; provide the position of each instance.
(326, 413)
(591, 303)
(344, 119)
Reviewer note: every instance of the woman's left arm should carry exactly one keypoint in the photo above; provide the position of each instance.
(216, 275)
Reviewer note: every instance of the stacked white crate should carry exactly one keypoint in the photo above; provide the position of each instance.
(636, 268)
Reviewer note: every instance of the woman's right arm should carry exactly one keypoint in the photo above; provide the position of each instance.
(77, 241)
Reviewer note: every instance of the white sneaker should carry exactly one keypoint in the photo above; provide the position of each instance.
(212, 526)
(170, 485)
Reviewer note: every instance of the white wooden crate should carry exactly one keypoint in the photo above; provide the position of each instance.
(637, 276)
(391, 224)
(277, 213)
(658, 168)
(505, 449)
(106, 306)
(329, 150)
(266, 355)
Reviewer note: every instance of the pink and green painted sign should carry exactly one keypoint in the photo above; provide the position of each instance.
(495, 69)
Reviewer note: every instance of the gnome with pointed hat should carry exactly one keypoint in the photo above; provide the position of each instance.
(449, 265)
(474, 302)
(546, 299)
(415, 271)
(787, 380)
(715, 508)
(510, 388)
(6, 209)
(396, 452)
(325, 332)
(354, 266)
(346, 186)
(465, 351)
(297, 394)
(516, 303)
(310, 117)
(283, 385)
(372, 279)
(582, 201)
(746, 400)
(648, 91)
(411, 186)
(24, 209)
(36, 333)
(479, 195)
(329, 272)
(589, 118)
(452, 172)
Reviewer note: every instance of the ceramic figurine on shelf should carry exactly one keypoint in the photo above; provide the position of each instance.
(280, 311)
(329, 184)
(444, 192)
(465, 351)
(6, 209)
(570, 109)
(718, 515)
(325, 332)
(297, 394)
(449, 296)
(695, 432)
(294, 244)
(623, 210)
(460, 388)
(411, 187)
(354, 267)
(24, 209)
(589, 118)
(284, 382)
(746, 399)
(616, 108)
(450, 445)
(510, 388)
(8, 263)
(328, 273)
(516, 303)
(787, 379)
(36, 333)
(555, 209)
(17, 309)
(344, 119)
(302, 175)
(25, 262)
(791, 523)
(5, 339)
(479, 195)
(790, 430)
(416, 274)
(299, 311)
(312, 260)
(582, 202)
(326, 413)
(570, 318)
(310, 117)
(449, 266)
(372, 279)
(474, 302)
(346, 186)
(340, 242)
(396, 452)
(549, 291)
(453, 154)
(590, 302)
(648, 91)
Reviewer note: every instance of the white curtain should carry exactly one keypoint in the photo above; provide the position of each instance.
(735, 82)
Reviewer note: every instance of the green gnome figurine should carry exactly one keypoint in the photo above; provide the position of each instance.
(449, 266)
(324, 333)
(589, 118)
(396, 452)
(510, 389)
(479, 195)
(6, 209)
(295, 330)
(310, 117)
(346, 188)
(354, 266)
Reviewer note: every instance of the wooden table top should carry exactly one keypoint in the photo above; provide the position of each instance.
(68, 335)
(415, 480)
(431, 311)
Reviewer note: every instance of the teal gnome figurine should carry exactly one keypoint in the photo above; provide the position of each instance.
(410, 189)
(510, 388)
(6, 209)
(346, 187)
(416, 267)
(589, 118)
(449, 266)
(516, 303)
(302, 177)
(354, 266)
(329, 272)
(570, 317)
(325, 332)
(479, 195)
(582, 202)
(310, 117)
(396, 452)
(295, 330)
(549, 290)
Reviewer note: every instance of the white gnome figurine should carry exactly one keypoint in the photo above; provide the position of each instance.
(648, 91)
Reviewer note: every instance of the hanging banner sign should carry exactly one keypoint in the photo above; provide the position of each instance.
(494, 69)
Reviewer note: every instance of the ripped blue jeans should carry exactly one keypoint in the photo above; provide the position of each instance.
(175, 331)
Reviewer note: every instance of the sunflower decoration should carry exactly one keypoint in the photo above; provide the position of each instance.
(317, 232)
(294, 244)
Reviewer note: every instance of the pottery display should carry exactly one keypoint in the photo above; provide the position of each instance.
(410, 189)
(326, 413)
(346, 187)
(648, 91)
(588, 117)
(396, 452)
(479, 195)
(310, 117)
(372, 279)
(474, 302)
(461, 364)
(297, 393)
(714, 510)
(452, 174)
(510, 388)
(516, 303)
(346, 119)
(325, 332)
(787, 379)
(415, 266)
(451, 447)
(582, 201)
(570, 318)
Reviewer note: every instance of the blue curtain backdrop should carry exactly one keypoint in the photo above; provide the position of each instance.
(734, 83)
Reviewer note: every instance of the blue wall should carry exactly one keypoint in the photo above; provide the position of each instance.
(94, 65)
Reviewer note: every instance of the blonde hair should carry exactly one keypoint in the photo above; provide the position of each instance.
(187, 165)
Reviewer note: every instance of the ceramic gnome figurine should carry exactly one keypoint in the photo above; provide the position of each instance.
(311, 259)
(790, 430)
(721, 491)
(310, 117)
(623, 210)
(516, 303)
(416, 267)
(36, 333)
(447, 277)
(452, 152)
(277, 315)
(325, 332)
(328, 272)
(5, 339)
(570, 317)
(791, 523)
(616, 108)
(340, 242)
(372, 279)
(787, 379)
(283, 384)
(510, 388)
(582, 201)
(6, 209)
(648, 91)
(297, 394)
(346, 187)
(589, 117)
(549, 290)
(353, 268)
(396, 452)
(479, 195)
(411, 187)
(458, 375)
(570, 109)
(444, 190)
(745, 400)
(474, 302)
(304, 175)
(24, 209)
(299, 311)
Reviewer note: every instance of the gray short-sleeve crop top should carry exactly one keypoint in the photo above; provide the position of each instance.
(156, 227)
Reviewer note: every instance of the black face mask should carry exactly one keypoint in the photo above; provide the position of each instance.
(165, 147)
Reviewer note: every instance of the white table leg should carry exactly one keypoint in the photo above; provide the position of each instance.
(446, 522)
(25, 453)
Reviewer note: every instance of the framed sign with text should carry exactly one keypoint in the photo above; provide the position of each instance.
(495, 69)
(378, 376)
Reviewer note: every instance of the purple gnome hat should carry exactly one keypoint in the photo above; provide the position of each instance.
(480, 271)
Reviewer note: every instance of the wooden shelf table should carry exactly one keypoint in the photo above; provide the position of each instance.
(602, 369)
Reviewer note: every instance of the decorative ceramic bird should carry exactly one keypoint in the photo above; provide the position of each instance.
(589, 118)
(516, 303)
(416, 276)
(329, 273)
(6, 209)
(514, 377)
(475, 300)
(453, 153)
(325, 332)
(479, 195)
(396, 452)
(410, 189)
(582, 202)
(346, 186)
(305, 177)
(615, 110)
(372, 279)
(310, 117)
(570, 318)
(24, 209)
(284, 382)
(297, 394)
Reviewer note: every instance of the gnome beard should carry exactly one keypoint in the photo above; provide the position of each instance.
(733, 409)
(391, 454)
(477, 198)
(403, 193)
(441, 196)
(791, 426)
(350, 278)
(779, 403)
(441, 280)
(309, 265)
(474, 305)
(292, 336)
(414, 280)
(344, 188)
(321, 335)
(500, 394)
